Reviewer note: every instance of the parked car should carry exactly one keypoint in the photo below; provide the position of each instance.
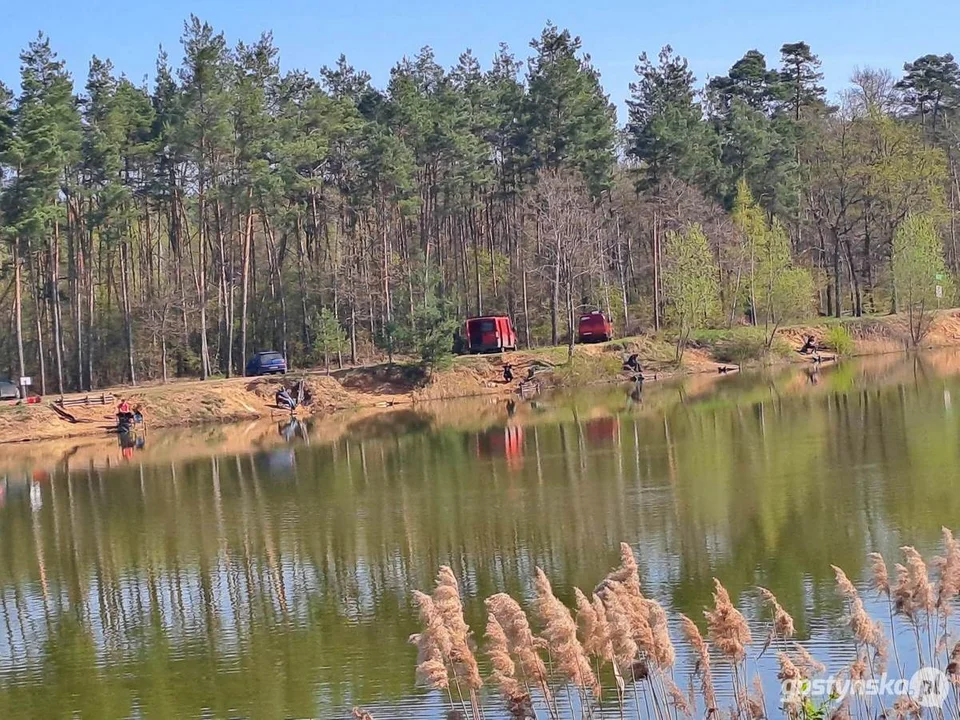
(269, 362)
(594, 327)
(8, 391)
(490, 334)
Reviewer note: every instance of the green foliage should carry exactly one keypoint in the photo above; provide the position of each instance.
(777, 290)
(430, 332)
(918, 268)
(571, 120)
(839, 340)
(228, 204)
(741, 346)
(330, 337)
(689, 281)
(666, 131)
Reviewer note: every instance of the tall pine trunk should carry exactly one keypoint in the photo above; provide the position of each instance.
(18, 304)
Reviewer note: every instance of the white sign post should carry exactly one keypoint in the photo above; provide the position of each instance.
(25, 382)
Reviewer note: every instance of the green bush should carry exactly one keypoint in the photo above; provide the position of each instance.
(741, 346)
(839, 340)
(431, 335)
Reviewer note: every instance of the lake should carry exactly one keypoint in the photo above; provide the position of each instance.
(274, 579)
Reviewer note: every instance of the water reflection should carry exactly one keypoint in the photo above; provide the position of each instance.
(276, 581)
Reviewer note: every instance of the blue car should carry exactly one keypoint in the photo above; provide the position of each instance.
(8, 391)
(267, 363)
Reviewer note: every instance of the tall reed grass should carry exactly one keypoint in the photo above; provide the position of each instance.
(617, 634)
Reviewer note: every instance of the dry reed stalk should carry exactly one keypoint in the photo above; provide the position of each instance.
(859, 669)
(913, 592)
(881, 583)
(948, 567)
(726, 627)
(601, 641)
(878, 570)
(782, 621)
(865, 629)
(789, 670)
(758, 693)
(842, 711)
(790, 676)
(750, 705)
(702, 667)
(618, 618)
(677, 699)
(953, 665)
(433, 644)
(588, 624)
(520, 640)
(504, 676)
(906, 708)
(628, 574)
(664, 653)
(810, 665)
(560, 632)
(446, 599)
(361, 714)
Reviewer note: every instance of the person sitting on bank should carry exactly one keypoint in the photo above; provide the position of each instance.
(633, 364)
(809, 346)
(508, 373)
(284, 401)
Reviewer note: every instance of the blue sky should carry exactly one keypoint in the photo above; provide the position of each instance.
(376, 33)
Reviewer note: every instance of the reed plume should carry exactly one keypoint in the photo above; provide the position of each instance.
(504, 675)
(520, 640)
(865, 629)
(446, 600)
(620, 628)
(726, 626)
(906, 708)
(751, 704)
(628, 574)
(807, 662)
(953, 665)
(788, 669)
(913, 592)
(702, 666)
(560, 633)
(593, 626)
(790, 676)
(676, 698)
(842, 711)
(782, 621)
(433, 644)
(859, 669)
(663, 652)
(587, 622)
(878, 569)
(948, 568)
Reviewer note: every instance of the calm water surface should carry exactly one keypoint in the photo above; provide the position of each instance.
(276, 582)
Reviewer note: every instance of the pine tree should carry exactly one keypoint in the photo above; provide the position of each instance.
(205, 132)
(571, 119)
(931, 87)
(666, 132)
(800, 78)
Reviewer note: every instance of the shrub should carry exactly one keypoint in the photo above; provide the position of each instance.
(839, 340)
(741, 346)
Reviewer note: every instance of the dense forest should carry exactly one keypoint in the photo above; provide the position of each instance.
(171, 228)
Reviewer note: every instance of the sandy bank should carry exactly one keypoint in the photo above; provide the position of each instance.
(186, 403)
